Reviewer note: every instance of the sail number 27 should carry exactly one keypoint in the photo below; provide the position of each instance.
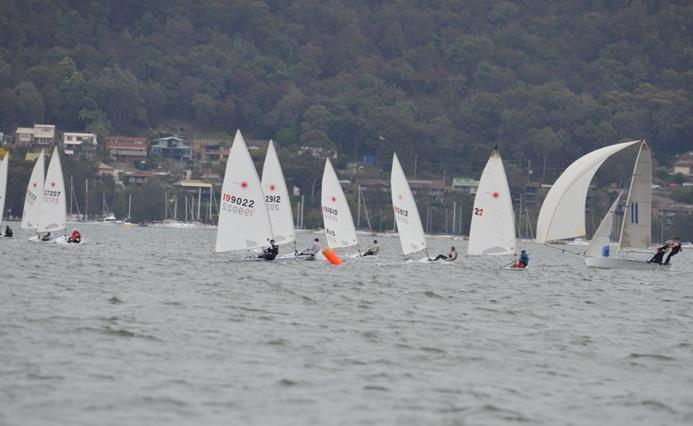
(478, 212)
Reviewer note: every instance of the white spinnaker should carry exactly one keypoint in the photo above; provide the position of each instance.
(277, 198)
(602, 236)
(492, 230)
(244, 223)
(636, 229)
(4, 164)
(336, 215)
(53, 211)
(563, 213)
(411, 233)
(34, 195)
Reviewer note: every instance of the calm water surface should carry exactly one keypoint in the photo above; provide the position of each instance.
(146, 326)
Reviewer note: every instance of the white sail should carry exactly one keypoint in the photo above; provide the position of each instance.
(277, 198)
(602, 236)
(336, 215)
(243, 219)
(636, 229)
(492, 230)
(4, 164)
(563, 213)
(53, 211)
(34, 194)
(411, 233)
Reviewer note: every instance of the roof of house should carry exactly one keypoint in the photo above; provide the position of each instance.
(192, 183)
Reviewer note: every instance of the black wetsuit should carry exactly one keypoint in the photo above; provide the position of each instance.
(674, 250)
(659, 256)
(8, 232)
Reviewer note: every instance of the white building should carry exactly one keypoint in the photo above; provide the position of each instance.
(73, 142)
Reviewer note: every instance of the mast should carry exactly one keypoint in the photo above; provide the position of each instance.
(86, 199)
(130, 206)
(358, 208)
(199, 202)
(165, 206)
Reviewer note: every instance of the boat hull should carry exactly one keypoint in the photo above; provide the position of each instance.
(621, 263)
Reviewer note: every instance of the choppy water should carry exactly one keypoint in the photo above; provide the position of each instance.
(147, 326)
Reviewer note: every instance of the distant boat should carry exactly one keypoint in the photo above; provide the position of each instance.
(52, 206)
(411, 233)
(4, 165)
(34, 192)
(277, 198)
(492, 230)
(336, 214)
(244, 223)
(562, 215)
(636, 228)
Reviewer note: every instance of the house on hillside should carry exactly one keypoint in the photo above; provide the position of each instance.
(465, 185)
(171, 147)
(684, 164)
(41, 136)
(126, 148)
(81, 144)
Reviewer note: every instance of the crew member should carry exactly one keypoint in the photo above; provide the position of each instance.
(8, 232)
(373, 250)
(270, 252)
(674, 248)
(312, 250)
(452, 255)
(659, 256)
(75, 237)
(523, 261)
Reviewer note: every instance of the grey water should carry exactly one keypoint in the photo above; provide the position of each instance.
(145, 326)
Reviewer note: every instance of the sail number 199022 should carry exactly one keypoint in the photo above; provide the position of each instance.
(237, 205)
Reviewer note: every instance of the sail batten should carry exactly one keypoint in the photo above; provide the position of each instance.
(492, 230)
(336, 214)
(277, 198)
(411, 234)
(244, 223)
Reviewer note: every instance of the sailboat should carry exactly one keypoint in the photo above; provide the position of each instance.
(409, 227)
(636, 227)
(244, 223)
(492, 230)
(49, 208)
(277, 198)
(4, 164)
(53, 211)
(562, 215)
(336, 214)
(34, 192)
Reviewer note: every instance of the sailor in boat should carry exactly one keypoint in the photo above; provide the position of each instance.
(312, 250)
(373, 250)
(75, 237)
(659, 256)
(8, 232)
(270, 252)
(523, 261)
(674, 248)
(452, 255)
(46, 237)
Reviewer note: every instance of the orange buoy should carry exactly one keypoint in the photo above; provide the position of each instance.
(331, 256)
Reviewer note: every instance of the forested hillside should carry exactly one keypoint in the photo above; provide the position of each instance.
(443, 80)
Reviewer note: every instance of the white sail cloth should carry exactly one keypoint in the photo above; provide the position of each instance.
(243, 219)
(277, 198)
(562, 214)
(409, 227)
(492, 230)
(336, 214)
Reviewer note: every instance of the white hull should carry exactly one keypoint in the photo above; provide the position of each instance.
(621, 263)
